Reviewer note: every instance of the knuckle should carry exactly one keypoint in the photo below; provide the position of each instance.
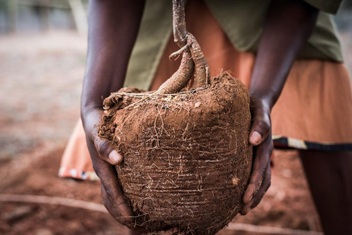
(102, 147)
(263, 125)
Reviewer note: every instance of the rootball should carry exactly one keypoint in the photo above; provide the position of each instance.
(187, 158)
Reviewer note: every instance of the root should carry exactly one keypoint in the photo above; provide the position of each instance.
(176, 54)
(193, 62)
(180, 78)
(119, 100)
(201, 72)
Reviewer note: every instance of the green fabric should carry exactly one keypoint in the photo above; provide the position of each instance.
(242, 21)
(154, 33)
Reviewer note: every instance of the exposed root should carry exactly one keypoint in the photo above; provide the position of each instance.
(193, 64)
(176, 54)
(180, 78)
(201, 72)
(198, 69)
(119, 100)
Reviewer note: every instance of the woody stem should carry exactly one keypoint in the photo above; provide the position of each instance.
(179, 22)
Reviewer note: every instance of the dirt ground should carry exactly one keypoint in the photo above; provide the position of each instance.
(40, 77)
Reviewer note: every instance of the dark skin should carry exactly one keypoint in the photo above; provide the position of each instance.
(288, 26)
(113, 28)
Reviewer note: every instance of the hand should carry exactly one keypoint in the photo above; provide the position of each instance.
(260, 138)
(104, 157)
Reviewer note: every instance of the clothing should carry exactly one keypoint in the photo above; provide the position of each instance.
(313, 111)
(241, 20)
(312, 88)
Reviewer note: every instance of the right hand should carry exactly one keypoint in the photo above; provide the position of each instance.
(260, 138)
(104, 158)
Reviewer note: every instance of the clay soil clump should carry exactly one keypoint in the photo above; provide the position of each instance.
(187, 158)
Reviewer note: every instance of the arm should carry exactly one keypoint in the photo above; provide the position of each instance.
(287, 28)
(113, 28)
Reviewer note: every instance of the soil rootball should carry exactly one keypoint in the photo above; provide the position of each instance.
(187, 158)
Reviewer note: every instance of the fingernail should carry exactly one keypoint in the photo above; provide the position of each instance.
(115, 157)
(255, 138)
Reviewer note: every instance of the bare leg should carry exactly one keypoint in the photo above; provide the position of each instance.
(329, 176)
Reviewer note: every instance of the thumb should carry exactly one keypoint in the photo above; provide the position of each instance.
(261, 124)
(107, 152)
(255, 138)
(260, 130)
(115, 158)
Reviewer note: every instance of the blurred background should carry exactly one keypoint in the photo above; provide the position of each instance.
(42, 58)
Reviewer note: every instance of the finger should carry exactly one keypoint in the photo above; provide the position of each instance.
(128, 221)
(260, 122)
(107, 152)
(120, 212)
(112, 193)
(121, 217)
(113, 197)
(113, 190)
(110, 182)
(261, 161)
(104, 148)
(263, 189)
(260, 193)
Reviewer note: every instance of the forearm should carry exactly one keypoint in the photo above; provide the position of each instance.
(287, 28)
(113, 28)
